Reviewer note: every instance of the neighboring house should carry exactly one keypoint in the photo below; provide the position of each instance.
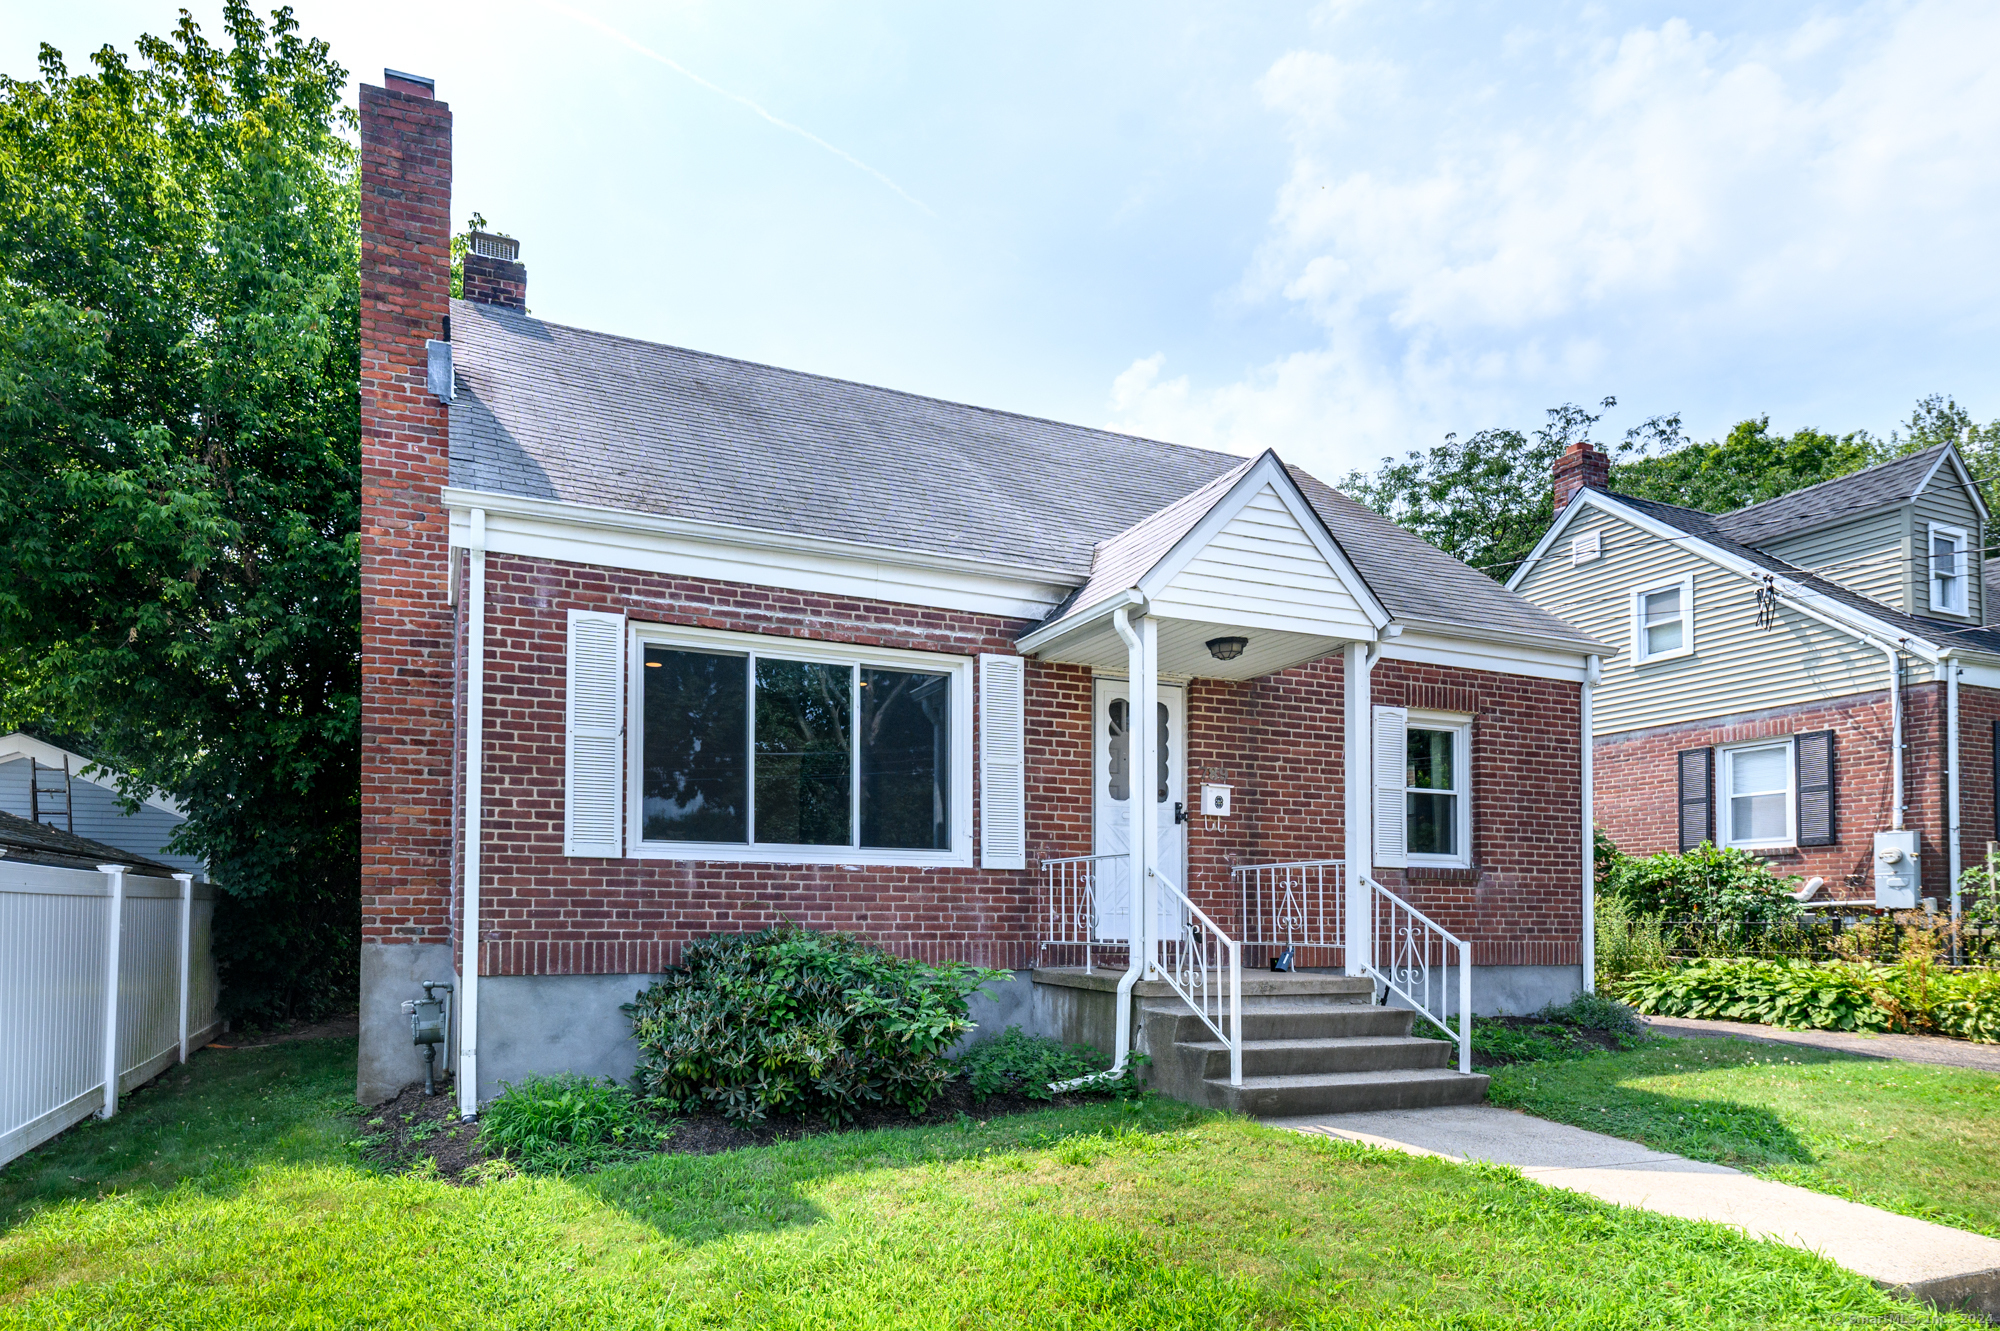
(1768, 659)
(25, 842)
(658, 644)
(46, 784)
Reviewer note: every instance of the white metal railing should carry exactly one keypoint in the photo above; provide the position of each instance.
(1410, 955)
(1297, 904)
(1204, 966)
(1070, 916)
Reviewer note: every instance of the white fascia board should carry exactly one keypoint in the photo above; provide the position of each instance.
(1950, 455)
(1579, 647)
(1032, 642)
(682, 547)
(1576, 505)
(1826, 607)
(18, 745)
(1478, 654)
(1983, 673)
(1267, 471)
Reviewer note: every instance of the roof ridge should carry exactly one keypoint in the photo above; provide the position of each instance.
(857, 383)
(1835, 480)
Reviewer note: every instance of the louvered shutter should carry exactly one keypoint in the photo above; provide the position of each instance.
(593, 772)
(1813, 754)
(1697, 797)
(1003, 793)
(1392, 756)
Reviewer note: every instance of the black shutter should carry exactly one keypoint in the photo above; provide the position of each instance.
(1813, 752)
(1697, 771)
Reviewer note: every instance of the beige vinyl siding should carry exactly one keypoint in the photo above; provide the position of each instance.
(1263, 571)
(1870, 555)
(1735, 667)
(1945, 501)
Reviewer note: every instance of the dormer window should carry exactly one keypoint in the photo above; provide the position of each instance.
(1947, 569)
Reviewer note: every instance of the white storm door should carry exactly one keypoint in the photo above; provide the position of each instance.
(1113, 788)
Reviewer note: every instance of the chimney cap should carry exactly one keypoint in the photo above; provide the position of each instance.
(417, 82)
(486, 243)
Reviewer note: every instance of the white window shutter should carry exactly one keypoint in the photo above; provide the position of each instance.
(593, 773)
(1003, 794)
(1392, 746)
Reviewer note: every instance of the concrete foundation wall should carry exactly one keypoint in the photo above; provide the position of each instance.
(390, 974)
(555, 1023)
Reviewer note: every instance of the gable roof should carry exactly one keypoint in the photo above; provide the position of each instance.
(546, 411)
(1896, 481)
(20, 745)
(38, 843)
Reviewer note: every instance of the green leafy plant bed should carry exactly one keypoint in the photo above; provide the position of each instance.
(1831, 996)
(1590, 1024)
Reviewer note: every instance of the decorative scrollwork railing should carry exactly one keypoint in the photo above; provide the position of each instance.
(1205, 967)
(1411, 956)
(1300, 904)
(1070, 908)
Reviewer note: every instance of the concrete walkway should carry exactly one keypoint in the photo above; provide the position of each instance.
(1906, 1048)
(1944, 1266)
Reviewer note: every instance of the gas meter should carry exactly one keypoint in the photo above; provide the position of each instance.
(429, 1026)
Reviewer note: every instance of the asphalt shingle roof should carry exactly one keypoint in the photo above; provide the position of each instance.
(1892, 482)
(551, 412)
(39, 843)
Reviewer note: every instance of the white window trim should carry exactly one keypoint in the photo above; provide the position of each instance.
(1638, 600)
(960, 668)
(1460, 724)
(1725, 794)
(1960, 543)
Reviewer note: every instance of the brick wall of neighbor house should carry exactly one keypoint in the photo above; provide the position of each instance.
(1278, 740)
(406, 626)
(1637, 795)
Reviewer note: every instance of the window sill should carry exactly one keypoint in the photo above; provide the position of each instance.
(843, 856)
(1658, 657)
(1768, 852)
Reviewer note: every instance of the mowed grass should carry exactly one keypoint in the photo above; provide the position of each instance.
(1907, 1137)
(1106, 1217)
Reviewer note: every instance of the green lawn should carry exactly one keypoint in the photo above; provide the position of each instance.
(184, 1212)
(1907, 1137)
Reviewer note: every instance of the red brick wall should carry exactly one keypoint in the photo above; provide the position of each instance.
(406, 628)
(1637, 795)
(1278, 740)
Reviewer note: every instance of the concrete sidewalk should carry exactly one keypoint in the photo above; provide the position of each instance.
(1904, 1048)
(1943, 1266)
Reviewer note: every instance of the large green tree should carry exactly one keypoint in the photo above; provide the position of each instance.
(180, 443)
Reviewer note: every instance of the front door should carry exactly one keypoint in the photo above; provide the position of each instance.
(1114, 788)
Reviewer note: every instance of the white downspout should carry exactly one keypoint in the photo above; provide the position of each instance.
(1593, 670)
(1135, 665)
(1895, 738)
(475, 735)
(1952, 672)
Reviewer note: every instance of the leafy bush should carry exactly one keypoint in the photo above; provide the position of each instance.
(568, 1123)
(1593, 1012)
(1967, 1005)
(1709, 881)
(790, 1021)
(1627, 942)
(1017, 1063)
(1795, 994)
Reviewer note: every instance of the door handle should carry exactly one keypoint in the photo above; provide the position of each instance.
(1180, 813)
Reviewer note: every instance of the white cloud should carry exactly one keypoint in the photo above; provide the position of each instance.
(1573, 217)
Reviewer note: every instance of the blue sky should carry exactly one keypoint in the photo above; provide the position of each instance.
(1340, 229)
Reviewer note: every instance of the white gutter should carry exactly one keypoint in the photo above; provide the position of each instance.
(1592, 672)
(475, 761)
(1116, 604)
(1135, 663)
(1952, 672)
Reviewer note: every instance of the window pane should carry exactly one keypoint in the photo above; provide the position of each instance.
(804, 753)
(693, 786)
(1759, 771)
(1161, 798)
(1663, 605)
(905, 760)
(1758, 817)
(1119, 745)
(1433, 824)
(1663, 638)
(1431, 760)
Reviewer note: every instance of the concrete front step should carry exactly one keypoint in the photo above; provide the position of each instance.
(1267, 1058)
(1347, 1092)
(1286, 1022)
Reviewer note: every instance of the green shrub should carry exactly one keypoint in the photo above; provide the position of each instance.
(1966, 1004)
(791, 1021)
(1710, 882)
(1592, 1012)
(1627, 942)
(1016, 1063)
(1797, 994)
(567, 1123)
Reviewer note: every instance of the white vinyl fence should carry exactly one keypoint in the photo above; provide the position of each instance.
(105, 977)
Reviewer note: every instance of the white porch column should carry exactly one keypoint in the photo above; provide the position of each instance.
(1144, 692)
(1358, 737)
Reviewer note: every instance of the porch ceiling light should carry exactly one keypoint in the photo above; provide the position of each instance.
(1227, 649)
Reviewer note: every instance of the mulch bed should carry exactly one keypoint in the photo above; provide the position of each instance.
(414, 1128)
(1575, 1038)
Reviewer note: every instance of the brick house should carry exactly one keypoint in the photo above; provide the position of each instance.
(1771, 660)
(659, 643)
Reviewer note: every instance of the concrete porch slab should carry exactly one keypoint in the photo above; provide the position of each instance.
(1944, 1266)
(1256, 984)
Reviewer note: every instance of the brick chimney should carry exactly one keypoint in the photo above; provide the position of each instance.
(1581, 467)
(408, 630)
(494, 273)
